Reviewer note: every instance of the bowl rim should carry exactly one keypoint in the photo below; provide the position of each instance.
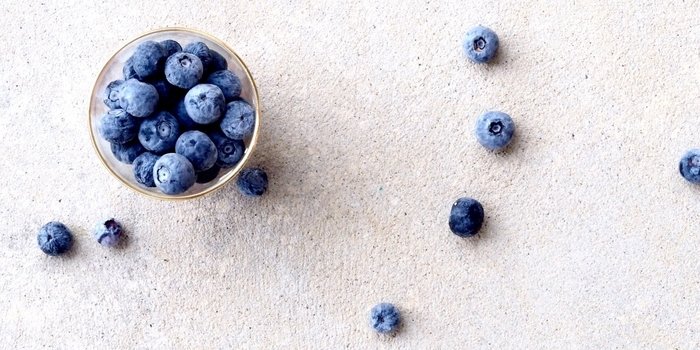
(249, 148)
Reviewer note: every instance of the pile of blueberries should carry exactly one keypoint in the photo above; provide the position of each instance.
(178, 117)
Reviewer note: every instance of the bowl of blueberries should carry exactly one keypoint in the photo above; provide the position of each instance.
(174, 114)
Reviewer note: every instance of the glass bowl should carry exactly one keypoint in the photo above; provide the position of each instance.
(113, 71)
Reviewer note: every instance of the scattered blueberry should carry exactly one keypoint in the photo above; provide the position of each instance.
(218, 62)
(481, 44)
(128, 70)
(239, 121)
(208, 175)
(108, 233)
(183, 70)
(170, 47)
(148, 59)
(143, 169)
(127, 152)
(205, 103)
(200, 50)
(117, 126)
(112, 93)
(182, 117)
(173, 174)
(252, 182)
(466, 217)
(690, 166)
(198, 149)
(384, 318)
(228, 82)
(138, 99)
(159, 133)
(230, 152)
(494, 130)
(54, 238)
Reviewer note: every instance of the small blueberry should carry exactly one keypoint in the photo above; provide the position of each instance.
(384, 318)
(112, 93)
(128, 70)
(252, 182)
(466, 217)
(494, 130)
(168, 94)
(108, 233)
(170, 47)
(198, 148)
(54, 238)
(143, 169)
(117, 126)
(218, 62)
(173, 174)
(205, 103)
(202, 51)
(230, 152)
(690, 166)
(148, 59)
(481, 44)
(138, 99)
(228, 82)
(183, 70)
(239, 121)
(159, 133)
(183, 118)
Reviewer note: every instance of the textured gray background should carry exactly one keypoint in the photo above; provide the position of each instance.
(591, 238)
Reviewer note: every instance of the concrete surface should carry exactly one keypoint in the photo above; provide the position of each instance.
(591, 238)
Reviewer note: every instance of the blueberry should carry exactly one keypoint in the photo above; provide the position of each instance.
(159, 133)
(228, 82)
(128, 70)
(230, 152)
(173, 174)
(112, 93)
(117, 126)
(182, 117)
(108, 233)
(690, 166)
(466, 217)
(481, 44)
(252, 182)
(239, 121)
(138, 99)
(183, 70)
(200, 50)
(198, 149)
(168, 95)
(494, 130)
(148, 59)
(170, 47)
(143, 169)
(208, 175)
(218, 62)
(127, 152)
(205, 103)
(384, 318)
(54, 238)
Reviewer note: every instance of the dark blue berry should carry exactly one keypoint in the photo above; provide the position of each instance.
(230, 151)
(252, 182)
(173, 174)
(183, 70)
(159, 133)
(481, 44)
(108, 233)
(117, 126)
(239, 121)
(128, 70)
(138, 99)
(170, 47)
(148, 59)
(202, 51)
(218, 62)
(112, 94)
(168, 95)
(182, 117)
(228, 82)
(205, 103)
(198, 148)
(208, 175)
(466, 217)
(384, 318)
(143, 169)
(54, 238)
(494, 130)
(127, 153)
(690, 166)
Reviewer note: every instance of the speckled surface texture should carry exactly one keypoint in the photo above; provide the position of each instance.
(591, 237)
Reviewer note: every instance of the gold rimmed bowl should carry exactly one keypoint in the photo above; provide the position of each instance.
(113, 71)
